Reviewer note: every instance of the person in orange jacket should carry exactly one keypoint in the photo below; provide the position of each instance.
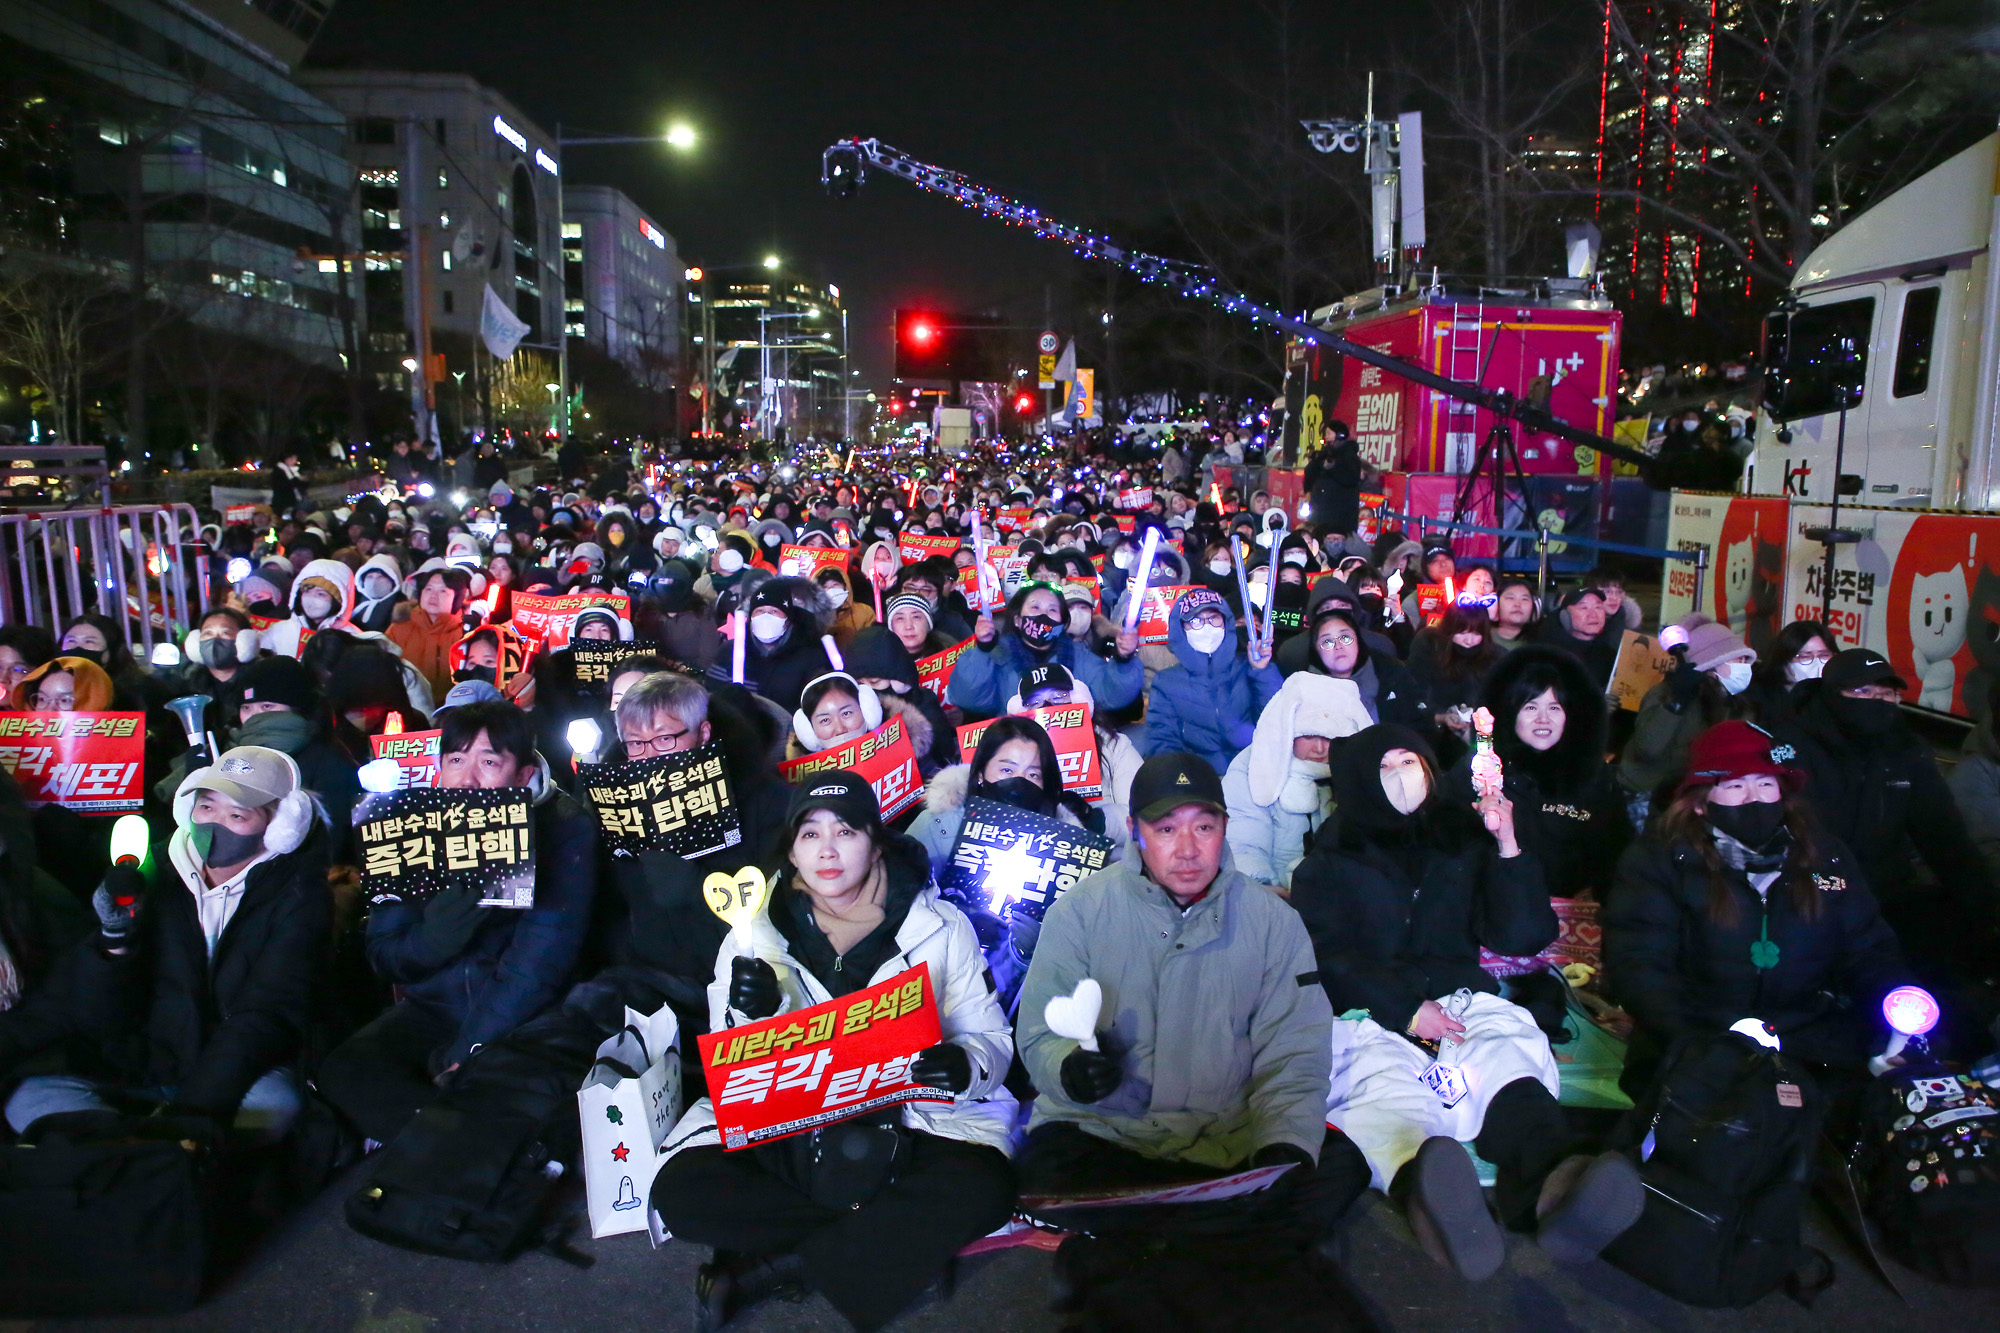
(436, 622)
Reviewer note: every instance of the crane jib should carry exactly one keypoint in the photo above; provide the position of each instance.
(844, 165)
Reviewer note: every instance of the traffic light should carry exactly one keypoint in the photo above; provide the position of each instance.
(923, 347)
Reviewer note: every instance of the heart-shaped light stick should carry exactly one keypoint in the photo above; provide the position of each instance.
(736, 898)
(1075, 1015)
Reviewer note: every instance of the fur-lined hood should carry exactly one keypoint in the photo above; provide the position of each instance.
(1579, 755)
(946, 793)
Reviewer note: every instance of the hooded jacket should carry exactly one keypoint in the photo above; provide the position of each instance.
(779, 671)
(1208, 703)
(932, 933)
(851, 616)
(1277, 802)
(1221, 1025)
(377, 613)
(985, 676)
(1569, 811)
(92, 687)
(288, 636)
(425, 642)
(876, 654)
(168, 1012)
(1399, 905)
(518, 962)
(1388, 691)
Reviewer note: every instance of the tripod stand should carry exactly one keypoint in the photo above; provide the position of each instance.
(1498, 451)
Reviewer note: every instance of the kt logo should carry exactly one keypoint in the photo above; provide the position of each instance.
(1795, 477)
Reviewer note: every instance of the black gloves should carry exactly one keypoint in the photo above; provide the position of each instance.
(946, 1065)
(753, 988)
(116, 903)
(450, 920)
(1683, 684)
(1090, 1076)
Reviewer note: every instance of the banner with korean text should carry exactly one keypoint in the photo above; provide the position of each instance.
(92, 763)
(883, 759)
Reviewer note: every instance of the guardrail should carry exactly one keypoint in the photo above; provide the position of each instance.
(143, 567)
(1541, 538)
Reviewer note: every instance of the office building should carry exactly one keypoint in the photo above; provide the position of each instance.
(622, 279)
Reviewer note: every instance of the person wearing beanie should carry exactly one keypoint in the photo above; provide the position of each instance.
(1279, 788)
(851, 906)
(784, 652)
(1582, 629)
(1706, 686)
(876, 658)
(1738, 902)
(1208, 702)
(1399, 904)
(909, 618)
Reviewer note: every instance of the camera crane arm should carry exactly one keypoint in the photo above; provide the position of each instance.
(845, 165)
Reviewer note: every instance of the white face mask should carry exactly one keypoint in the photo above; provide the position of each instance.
(837, 595)
(1205, 639)
(767, 626)
(316, 604)
(1122, 557)
(1079, 617)
(1405, 788)
(1220, 566)
(1735, 676)
(1807, 669)
(1258, 591)
(729, 560)
(1295, 557)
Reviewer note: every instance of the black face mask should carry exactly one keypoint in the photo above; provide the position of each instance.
(95, 655)
(219, 653)
(1371, 606)
(487, 674)
(1863, 717)
(220, 846)
(1753, 823)
(1021, 793)
(1038, 631)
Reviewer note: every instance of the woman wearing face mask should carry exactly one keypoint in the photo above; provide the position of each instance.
(784, 651)
(1740, 904)
(1280, 790)
(321, 600)
(1705, 688)
(203, 975)
(1080, 619)
(1340, 648)
(868, 1210)
(1015, 762)
(360, 693)
(1207, 704)
(850, 616)
(95, 639)
(876, 658)
(1218, 575)
(1795, 654)
(1399, 903)
(731, 561)
(1034, 637)
(1448, 661)
(378, 593)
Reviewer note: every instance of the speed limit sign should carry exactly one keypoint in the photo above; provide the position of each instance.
(1046, 344)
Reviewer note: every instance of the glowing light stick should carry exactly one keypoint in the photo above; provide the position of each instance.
(1147, 548)
(584, 736)
(1911, 1011)
(741, 618)
(1242, 579)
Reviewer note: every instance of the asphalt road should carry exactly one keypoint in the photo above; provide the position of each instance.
(317, 1275)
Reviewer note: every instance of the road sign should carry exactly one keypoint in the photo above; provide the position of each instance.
(1047, 374)
(1047, 344)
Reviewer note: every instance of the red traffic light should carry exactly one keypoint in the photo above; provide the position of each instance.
(923, 333)
(1025, 403)
(895, 407)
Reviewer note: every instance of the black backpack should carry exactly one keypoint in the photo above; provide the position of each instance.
(96, 1221)
(471, 1177)
(1926, 1162)
(1725, 1143)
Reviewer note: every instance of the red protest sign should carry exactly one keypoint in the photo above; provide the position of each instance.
(1369, 525)
(798, 1071)
(92, 763)
(807, 561)
(1137, 497)
(1012, 520)
(883, 759)
(416, 752)
(934, 672)
(240, 514)
(917, 546)
(1125, 522)
(1073, 736)
(1430, 603)
(1153, 611)
(549, 617)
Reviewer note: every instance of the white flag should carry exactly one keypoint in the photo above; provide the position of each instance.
(1066, 363)
(500, 327)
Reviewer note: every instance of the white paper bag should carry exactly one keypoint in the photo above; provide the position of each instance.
(630, 1100)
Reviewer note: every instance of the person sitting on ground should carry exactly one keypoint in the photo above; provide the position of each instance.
(1340, 649)
(468, 974)
(1209, 701)
(1734, 863)
(1580, 628)
(194, 994)
(851, 906)
(435, 623)
(1034, 637)
(1515, 611)
(1279, 788)
(222, 645)
(1214, 1045)
(1399, 904)
(1118, 759)
(1705, 687)
(1795, 654)
(1448, 661)
(877, 659)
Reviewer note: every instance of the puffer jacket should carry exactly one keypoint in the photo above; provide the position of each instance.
(518, 962)
(288, 636)
(1268, 838)
(1208, 703)
(1225, 1034)
(426, 642)
(933, 932)
(984, 677)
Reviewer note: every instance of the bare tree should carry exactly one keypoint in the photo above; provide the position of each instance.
(52, 321)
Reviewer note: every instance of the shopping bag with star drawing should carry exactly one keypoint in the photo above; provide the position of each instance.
(630, 1100)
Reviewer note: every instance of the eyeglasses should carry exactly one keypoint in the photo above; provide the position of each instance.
(657, 745)
(1338, 641)
(53, 703)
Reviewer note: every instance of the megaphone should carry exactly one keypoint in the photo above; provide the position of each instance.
(190, 709)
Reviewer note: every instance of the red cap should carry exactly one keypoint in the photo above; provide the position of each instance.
(1739, 750)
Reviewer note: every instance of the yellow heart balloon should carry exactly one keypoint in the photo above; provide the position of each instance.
(736, 898)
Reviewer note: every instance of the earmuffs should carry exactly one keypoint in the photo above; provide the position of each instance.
(802, 727)
(288, 827)
(248, 644)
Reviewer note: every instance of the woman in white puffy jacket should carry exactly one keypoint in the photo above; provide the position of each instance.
(1278, 789)
(870, 1208)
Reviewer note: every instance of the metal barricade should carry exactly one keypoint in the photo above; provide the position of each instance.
(143, 567)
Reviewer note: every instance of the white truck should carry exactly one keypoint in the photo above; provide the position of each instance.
(1882, 380)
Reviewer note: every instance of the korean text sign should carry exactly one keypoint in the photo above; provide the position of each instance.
(550, 617)
(798, 1071)
(679, 803)
(883, 759)
(93, 763)
(807, 561)
(427, 840)
(1154, 610)
(1012, 858)
(934, 672)
(1074, 738)
(917, 546)
(596, 663)
(416, 752)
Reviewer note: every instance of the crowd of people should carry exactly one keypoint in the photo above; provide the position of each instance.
(1309, 872)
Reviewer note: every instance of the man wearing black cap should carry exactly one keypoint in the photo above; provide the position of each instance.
(1875, 783)
(1216, 1035)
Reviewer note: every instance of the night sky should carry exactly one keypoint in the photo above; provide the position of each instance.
(1084, 108)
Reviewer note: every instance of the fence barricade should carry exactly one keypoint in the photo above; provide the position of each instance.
(143, 567)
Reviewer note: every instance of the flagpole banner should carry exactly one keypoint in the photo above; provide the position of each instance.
(677, 803)
(934, 672)
(550, 616)
(415, 752)
(785, 1075)
(1009, 858)
(92, 763)
(500, 328)
(883, 759)
(424, 841)
(1075, 740)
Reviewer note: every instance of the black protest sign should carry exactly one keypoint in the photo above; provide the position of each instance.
(422, 841)
(678, 803)
(1007, 857)
(597, 660)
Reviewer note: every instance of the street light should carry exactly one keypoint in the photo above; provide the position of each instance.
(680, 135)
(772, 261)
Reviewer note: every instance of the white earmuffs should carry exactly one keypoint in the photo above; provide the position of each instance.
(871, 711)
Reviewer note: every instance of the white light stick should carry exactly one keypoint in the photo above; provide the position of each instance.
(742, 618)
(1147, 548)
(584, 735)
(380, 776)
(832, 652)
(979, 561)
(1075, 1015)
(1243, 583)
